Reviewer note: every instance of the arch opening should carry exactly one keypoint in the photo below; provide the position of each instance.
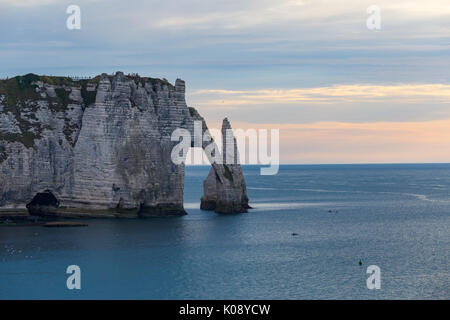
(195, 173)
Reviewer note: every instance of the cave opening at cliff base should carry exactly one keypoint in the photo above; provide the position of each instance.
(46, 198)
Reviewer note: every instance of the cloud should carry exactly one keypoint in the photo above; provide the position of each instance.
(289, 14)
(362, 93)
(311, 66)
(378, 142)
(26, 3)
(35, 3)
(351, 103)
(324, 37)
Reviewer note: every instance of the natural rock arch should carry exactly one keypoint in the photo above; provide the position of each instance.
(224, 189)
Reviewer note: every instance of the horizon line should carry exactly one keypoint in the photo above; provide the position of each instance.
(329, 164)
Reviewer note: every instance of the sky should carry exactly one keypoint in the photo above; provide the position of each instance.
(337, 91)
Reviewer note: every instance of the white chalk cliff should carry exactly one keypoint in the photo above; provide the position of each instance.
(101, 147)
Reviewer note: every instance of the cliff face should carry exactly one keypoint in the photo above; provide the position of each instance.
(99, 147)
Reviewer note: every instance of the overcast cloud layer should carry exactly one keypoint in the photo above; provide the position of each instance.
(263, 62)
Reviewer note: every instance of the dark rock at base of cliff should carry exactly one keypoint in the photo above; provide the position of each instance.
(161, 210)
(224, 207)
(230, 207)
(64, 224)
(209, 205)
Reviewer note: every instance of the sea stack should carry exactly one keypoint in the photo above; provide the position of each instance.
(101, 147)
(225, 189)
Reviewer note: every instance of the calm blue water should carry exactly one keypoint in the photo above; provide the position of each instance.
(394, 216)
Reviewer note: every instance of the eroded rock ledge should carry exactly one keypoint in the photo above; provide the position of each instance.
(101, 147)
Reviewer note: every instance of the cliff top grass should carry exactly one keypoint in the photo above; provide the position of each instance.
(143, 80)
(21, 95)
(20, 85)
(23, 88)
(17, 90)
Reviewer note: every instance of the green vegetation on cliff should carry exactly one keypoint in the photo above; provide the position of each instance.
(22, 98)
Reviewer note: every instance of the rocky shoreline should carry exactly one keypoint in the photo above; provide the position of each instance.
(22, 218)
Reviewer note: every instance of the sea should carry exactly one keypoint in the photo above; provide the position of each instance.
(315, 232)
